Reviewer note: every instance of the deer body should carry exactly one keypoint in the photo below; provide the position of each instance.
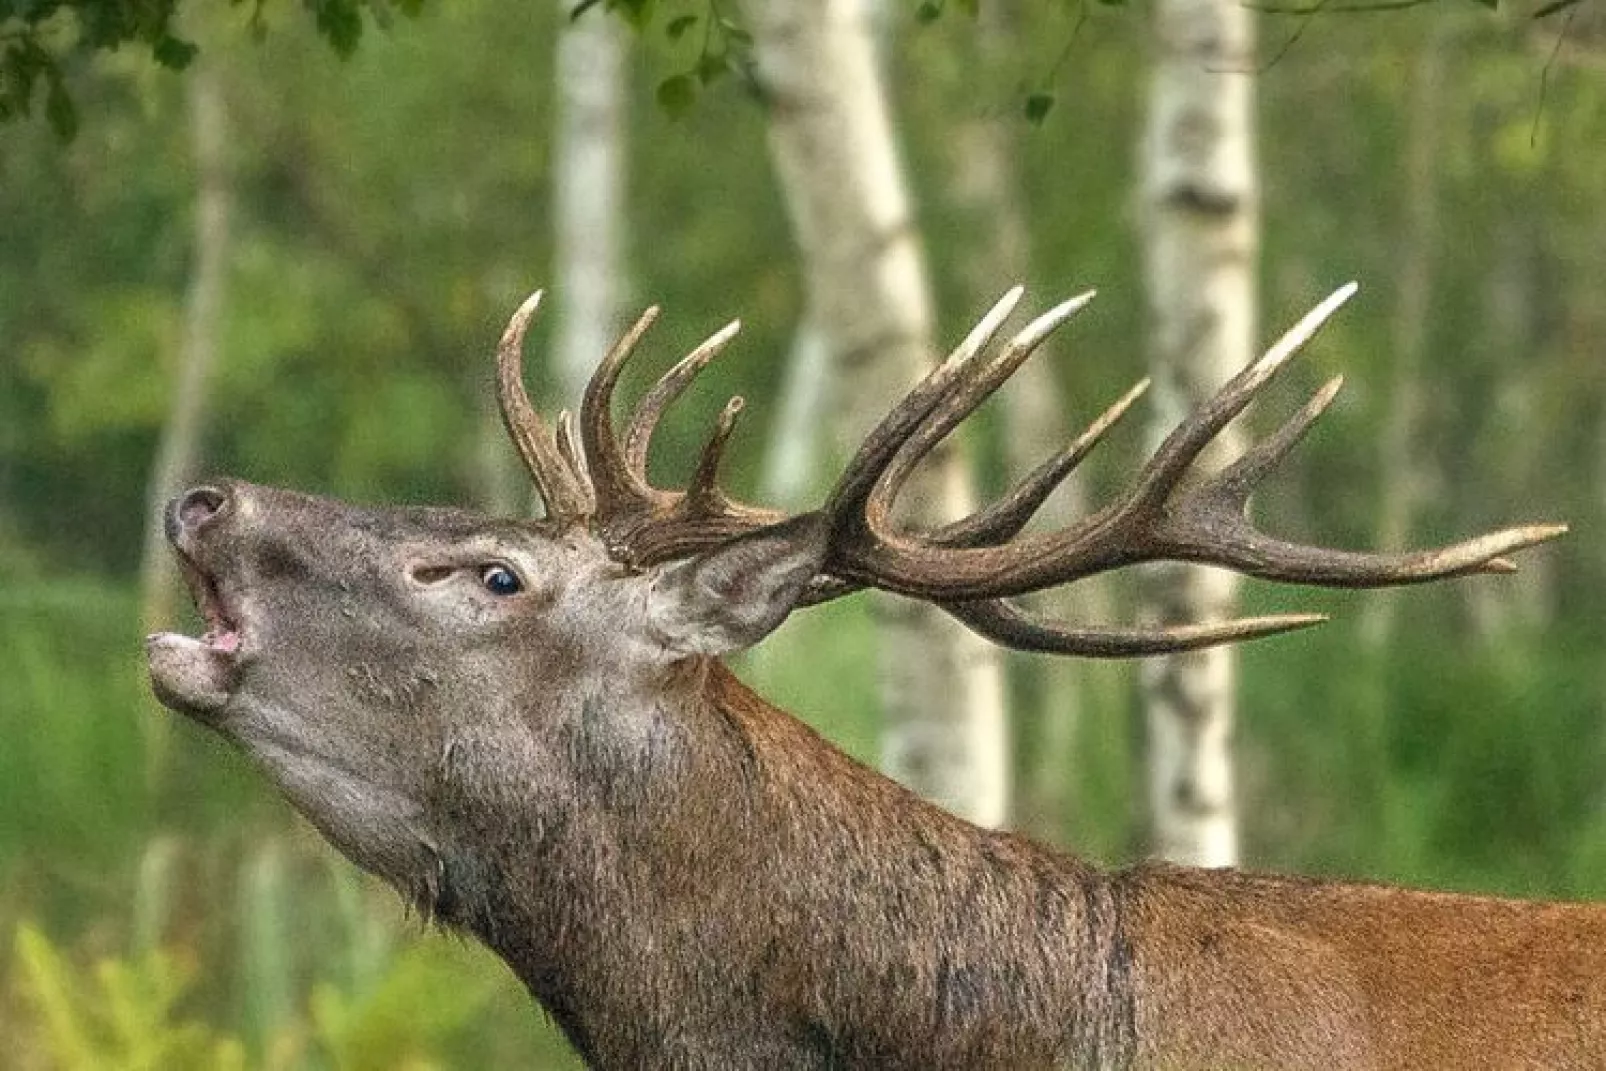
(524, 727)
(818, 915)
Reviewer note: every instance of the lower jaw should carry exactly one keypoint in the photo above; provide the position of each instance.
(192, 676)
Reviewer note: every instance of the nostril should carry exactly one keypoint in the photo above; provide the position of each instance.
(199, 505)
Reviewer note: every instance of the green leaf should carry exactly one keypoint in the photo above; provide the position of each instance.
(712, 66)
(928, 12)
(678, 26)
(677, 94)
(636, 12)
(1038, 106)
(59, 108)
(340, 21)
(173, 53)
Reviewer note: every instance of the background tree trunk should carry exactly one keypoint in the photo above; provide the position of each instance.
(831, 140)
(1201, 243)
(178, 449)
(1403, 464)
(985, 189)
(587, 282)
(792, 461)
(588, 196)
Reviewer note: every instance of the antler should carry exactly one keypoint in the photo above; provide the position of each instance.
(972, 567)
(559, 480)
(585, 473)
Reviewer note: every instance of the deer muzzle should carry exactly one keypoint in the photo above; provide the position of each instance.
(196, 675)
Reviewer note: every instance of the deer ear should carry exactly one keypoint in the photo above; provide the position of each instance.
(733, 596)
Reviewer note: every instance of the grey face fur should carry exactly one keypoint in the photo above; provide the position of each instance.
(368, 658)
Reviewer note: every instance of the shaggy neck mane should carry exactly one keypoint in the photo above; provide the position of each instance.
(731, 890)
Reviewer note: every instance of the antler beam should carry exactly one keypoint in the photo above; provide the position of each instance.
(973, 566)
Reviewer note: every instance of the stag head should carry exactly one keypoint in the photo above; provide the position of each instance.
(411, 678)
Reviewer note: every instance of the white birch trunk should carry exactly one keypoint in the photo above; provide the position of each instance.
(791, 461)
(831, 140)
(985, 188)
(587, 196)
(1201, 238)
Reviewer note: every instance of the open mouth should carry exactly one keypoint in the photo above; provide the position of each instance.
(222, 625)
(198, 676)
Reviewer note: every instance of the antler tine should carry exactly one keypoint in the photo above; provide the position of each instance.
(1240, 478)
(1202, 533)
(1005, 625)
(575, 458)
(642, 524)
(704, 494)
(1208, 524)
(638, 436)
(1204, 523)
(1003, 519)
(617, 488)
(879, 448)
(560, 486)
(1166, 468)
(968, 393)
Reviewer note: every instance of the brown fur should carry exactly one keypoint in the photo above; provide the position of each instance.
(687, 877)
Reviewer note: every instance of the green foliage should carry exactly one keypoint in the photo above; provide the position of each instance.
(390, 210)
(719, 47)
(140, 1013)
(119, 1015)
(41, 41)
(397, 1023)
(38, 38)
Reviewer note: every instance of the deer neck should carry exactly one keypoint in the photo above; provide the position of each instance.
(683, 845)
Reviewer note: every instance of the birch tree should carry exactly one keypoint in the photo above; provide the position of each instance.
(588, 228)
(179, 446)
(984, 185)
(1201, 224)
(178, 449)
(588, 195)
(831, 141)
(1401, 461)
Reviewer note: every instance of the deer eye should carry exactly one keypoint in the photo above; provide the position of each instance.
(498, 579)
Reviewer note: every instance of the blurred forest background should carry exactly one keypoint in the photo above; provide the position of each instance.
(160, 907)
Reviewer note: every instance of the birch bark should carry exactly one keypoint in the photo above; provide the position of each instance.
(588, 196)
(1201, 218)
(985, 188)
(178, 450)
(832, 145)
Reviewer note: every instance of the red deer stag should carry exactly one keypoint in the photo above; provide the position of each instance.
(524, 726)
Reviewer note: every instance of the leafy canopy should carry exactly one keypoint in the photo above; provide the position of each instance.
(41, 40)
